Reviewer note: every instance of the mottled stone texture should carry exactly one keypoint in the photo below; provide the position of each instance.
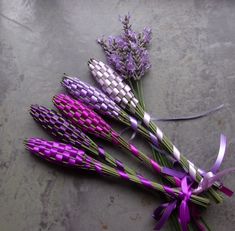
(193, 58)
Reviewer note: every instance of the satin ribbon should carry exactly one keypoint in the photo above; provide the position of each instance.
(197, 116)
(134, 126)
(211, 177)
(163, 212)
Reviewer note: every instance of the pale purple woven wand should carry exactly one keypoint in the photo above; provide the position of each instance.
(90, 122)
(67, 155)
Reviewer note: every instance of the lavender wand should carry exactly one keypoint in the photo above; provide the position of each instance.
(90, 122)
(102, 104)
(63, 130)
(67, 155)
(115, 87)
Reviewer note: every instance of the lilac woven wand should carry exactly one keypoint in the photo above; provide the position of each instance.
(67, 155)
(101, 103)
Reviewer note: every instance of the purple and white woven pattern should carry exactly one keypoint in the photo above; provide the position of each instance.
(91, 96)
(112, 84)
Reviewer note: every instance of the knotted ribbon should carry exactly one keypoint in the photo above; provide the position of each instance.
(163, 212)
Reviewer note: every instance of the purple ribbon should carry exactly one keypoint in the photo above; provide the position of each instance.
(211, 177)
(134, 126)
(101, 152)
(163, 212)
(184, 214)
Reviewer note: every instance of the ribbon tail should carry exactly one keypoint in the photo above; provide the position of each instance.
(228, 192)
(184, 216)
(162, 215)
(172, 172)
(197, 116)
(221, 174)
(220, 155)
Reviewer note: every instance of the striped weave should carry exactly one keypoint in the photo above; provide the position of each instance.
(113, 85)
(91, 96)
(54, 123)
(85, 117)
(58, 153)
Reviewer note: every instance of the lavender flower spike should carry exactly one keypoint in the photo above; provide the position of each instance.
(127, 53)
(91, 96)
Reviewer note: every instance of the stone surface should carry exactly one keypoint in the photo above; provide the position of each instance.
(193, 58)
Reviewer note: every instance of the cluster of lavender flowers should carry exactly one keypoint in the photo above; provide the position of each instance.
(127, 53)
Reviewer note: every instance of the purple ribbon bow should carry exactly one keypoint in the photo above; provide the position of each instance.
(163, 212)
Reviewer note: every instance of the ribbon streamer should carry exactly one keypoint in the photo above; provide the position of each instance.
(134, 122)
(163, 212)
(197, 116)
(211, 177)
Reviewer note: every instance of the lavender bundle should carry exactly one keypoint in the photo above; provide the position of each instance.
(102, 104)
(63, 130)
(92, 123)
(120, 92)
(67, 155)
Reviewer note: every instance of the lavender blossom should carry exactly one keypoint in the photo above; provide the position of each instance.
(127, 53)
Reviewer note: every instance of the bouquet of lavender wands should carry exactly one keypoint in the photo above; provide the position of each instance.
(186, 188)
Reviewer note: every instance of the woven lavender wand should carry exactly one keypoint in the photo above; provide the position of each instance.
(92, 123)
(115, 87)
(101, 103)
(63, 130)
(67, 155)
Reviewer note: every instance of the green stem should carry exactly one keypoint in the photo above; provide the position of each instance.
(168, 145)
(157, 156)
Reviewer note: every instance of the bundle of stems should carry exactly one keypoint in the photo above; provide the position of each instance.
(67, 155)
(88, 121)
(115, 87)
(63, 130)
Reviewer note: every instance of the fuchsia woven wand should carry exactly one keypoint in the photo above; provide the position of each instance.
(92, 123)
(63, 130)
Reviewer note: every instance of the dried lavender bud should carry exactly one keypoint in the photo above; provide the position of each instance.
(113, 85)
(91, 96)
(127, 53)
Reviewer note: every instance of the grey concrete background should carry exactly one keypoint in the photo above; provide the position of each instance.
(193, 59)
